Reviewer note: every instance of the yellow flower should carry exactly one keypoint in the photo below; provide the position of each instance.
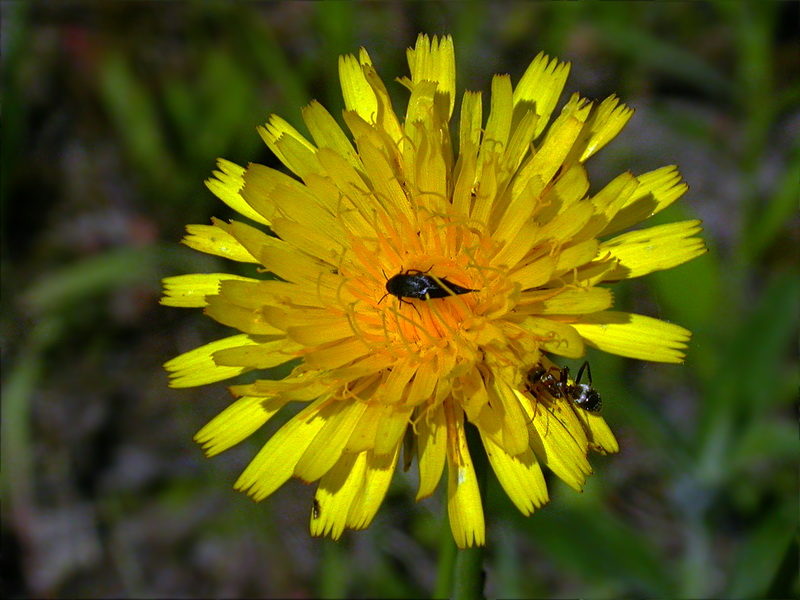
(501, 233)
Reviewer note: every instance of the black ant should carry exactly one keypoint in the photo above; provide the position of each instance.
(582, 394)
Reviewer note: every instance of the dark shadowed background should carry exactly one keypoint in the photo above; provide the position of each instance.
(113, 115)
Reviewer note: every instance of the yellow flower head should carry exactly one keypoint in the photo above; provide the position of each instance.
(418, 286)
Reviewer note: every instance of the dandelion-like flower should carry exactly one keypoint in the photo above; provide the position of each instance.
(417, 283)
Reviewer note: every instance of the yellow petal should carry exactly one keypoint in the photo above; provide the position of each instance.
(291, 148)
(390, 431)
(576, 255)
(561, 447)
(330, 328)
(655, 191)
(434, 60)
(572, 300)
(212, 239)
(540, 88)
(314, 232)
(335, 495)
(600, 437)
(473, 397)
(464, 505)
(555, 337)
(197, 367)
(615, 195)
(396, 382)
(227, 187)
(521, 476)
(664, 184)
(522, 133)
(385, 119)
(384, 178)
(535, 273)
(513, 421)
(366, 96)
(248, 320)
(337, 354)
(358, 94)
(191, 290)
(342, 188)
(377, 477)
(251, 293)
(429, 164)
(514, 219)
(634, 336)
(431, 450)
(258, 356)
(567, 224)
(237, 422)
(326, 448)
(291, 265)
(363, 436)
(498, 127)
(469, 143)
(524, 249)
(275, 462)
(268, 190)
(653, 249)
(568, 188)
(255, 241)
(606, 121)
(549, 158)
(427, 375)
(304, 387)
(327, 133)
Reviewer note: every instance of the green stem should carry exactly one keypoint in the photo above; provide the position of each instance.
(469, 574)
(446, 567)
(333, 578)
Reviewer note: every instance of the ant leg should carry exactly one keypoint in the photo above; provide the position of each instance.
(586, 366)
(535, 406)
(565, 377)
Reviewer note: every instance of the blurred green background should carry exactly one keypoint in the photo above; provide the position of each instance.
(113, 115)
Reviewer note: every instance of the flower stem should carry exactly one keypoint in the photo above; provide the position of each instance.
(469, 574)
(446, 567)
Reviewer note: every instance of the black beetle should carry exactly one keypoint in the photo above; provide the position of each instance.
(418, 284)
